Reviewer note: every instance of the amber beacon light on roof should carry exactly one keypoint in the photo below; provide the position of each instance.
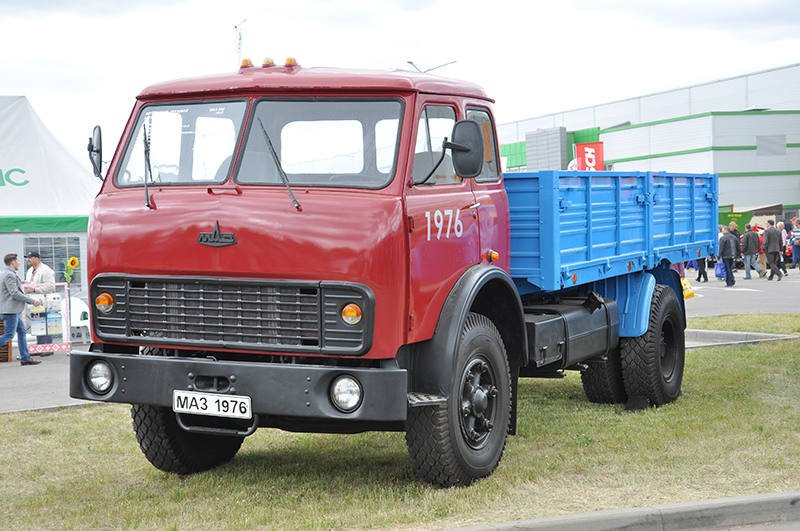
(291, 62)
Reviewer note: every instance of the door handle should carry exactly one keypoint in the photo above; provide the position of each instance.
(472, 206)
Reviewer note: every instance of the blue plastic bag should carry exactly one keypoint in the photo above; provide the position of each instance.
(719, 269)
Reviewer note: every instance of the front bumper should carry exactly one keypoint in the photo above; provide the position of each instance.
(275, 390)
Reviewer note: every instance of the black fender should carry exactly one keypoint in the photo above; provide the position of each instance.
(483, 289)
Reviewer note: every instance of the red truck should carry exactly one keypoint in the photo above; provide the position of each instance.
(321, 250)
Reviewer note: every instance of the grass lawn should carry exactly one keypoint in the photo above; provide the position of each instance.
(770, 323)
(736, 430)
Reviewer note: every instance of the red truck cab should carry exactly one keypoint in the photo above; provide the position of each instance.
(363, 222)
(278, 247)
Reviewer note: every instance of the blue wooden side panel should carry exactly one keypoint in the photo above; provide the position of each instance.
(603, 225)
(525, 222)
(684, 227)
(534, 231)
(575, 228)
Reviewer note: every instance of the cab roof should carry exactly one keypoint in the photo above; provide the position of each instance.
(296, 78)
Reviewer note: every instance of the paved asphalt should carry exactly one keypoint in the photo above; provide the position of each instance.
(36, 386)
(755, 296)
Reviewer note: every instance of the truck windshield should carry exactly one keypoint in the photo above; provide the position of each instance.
(189, 143)
(340, 143)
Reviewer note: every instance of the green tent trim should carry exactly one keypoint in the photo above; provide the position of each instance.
(43, 223)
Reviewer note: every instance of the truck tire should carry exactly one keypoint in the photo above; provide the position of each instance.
(602, 379)
(170, 448)
(652, 364)
(455, 443)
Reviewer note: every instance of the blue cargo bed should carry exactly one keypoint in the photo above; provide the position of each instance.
(572, 228)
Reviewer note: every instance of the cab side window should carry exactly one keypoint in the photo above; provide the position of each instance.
(490, 168)
(435, 123)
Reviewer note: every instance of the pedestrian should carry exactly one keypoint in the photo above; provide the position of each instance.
(40, 278)
(749, 251)
(701, 269)
(727, 253)
(733, 228)
(772, 246)
(795, 240)
(762, 253)
(12, 304)
(784, 241)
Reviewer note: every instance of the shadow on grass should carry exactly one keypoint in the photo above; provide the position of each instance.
(368, 460)
(376, 459)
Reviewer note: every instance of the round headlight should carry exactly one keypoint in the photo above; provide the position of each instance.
(346, 393)
(99, 377)
(351, 314)
(104, 302)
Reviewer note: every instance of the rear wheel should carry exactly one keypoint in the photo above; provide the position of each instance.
(602, 379)
(455, 443)
(652, 364)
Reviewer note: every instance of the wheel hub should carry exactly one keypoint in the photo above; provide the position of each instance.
(480, 401)
(478, 405)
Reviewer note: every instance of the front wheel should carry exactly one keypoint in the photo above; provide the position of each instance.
(171, 449)
(455, 443)
(652, 364)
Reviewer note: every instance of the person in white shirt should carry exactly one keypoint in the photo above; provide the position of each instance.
(40, 278)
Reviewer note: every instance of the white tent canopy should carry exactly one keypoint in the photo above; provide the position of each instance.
(42, 186)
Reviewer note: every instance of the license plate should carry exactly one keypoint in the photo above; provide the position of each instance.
(211, 404)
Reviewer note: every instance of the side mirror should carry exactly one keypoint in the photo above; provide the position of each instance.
(95, 149)
(467, 149)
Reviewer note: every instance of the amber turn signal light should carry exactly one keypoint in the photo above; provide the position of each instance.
(490, 256)
(104, 302)
(351, 314)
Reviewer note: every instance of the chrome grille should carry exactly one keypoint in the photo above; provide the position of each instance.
(232, 313)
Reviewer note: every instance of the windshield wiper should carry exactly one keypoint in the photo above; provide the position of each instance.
(147, 170)
(282, 173)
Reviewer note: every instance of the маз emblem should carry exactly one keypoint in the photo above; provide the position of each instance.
(216, 238)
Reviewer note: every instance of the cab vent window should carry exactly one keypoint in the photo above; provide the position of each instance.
(435, 123)
(489, 171)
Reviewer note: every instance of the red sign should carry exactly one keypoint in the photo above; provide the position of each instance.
(589, 156)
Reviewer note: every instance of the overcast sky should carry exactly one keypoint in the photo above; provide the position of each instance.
(82, 63)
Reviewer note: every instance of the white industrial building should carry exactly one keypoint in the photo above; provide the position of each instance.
(746, 129)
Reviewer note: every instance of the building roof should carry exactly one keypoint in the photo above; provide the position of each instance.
(661, 92)
(280, 78)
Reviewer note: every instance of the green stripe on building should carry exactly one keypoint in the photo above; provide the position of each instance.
(43, 223)
(690, 152)
(692, 117)
(758, 173)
